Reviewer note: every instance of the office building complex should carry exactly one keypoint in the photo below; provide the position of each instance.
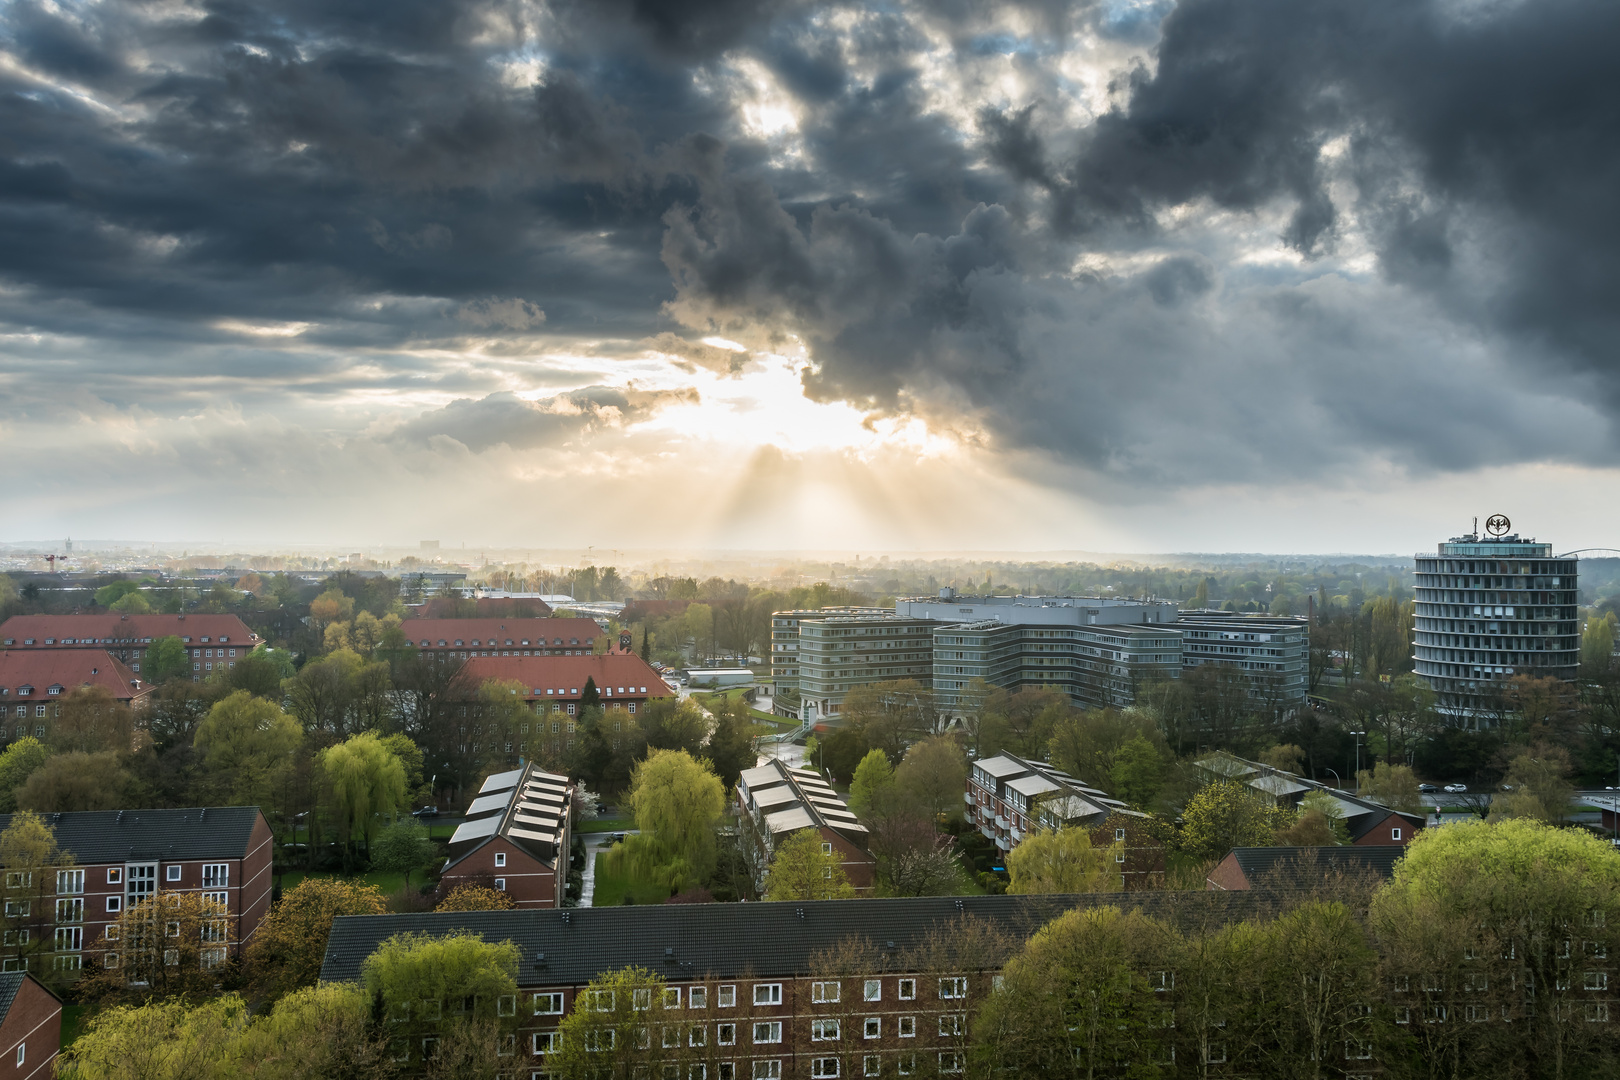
(1097, 666)
(839, 653)
(1490, 607)
(1270, 652)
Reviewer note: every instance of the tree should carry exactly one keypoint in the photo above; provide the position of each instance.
(731, 743)
(247, 743)
(18, 762)
(165, 659)
(1062, 862)
(425, 985)
(1223, 815)
(287, 950)
(315, 1033)
(90, 720)
(470, 896)
(329, 607)
(590, 697)
(802, 869)
(171, 944)
(131, 603)
(874, 778)
(33, 868)
(112, 592)
(1597, 645)
(402, 848)
(913, 857)
(1138, 772)
(1535, 787)
(674, 723)
(934, 776)
(259, 673)
(1394, 786)
(68, 782)
(159, 1040)
(607, 1035)
(676, 800)
(412, 760)
(366, 780)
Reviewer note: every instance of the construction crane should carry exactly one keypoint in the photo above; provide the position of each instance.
(50, 558)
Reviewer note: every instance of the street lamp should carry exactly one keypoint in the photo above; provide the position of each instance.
(1358, 735)
(1336, 778)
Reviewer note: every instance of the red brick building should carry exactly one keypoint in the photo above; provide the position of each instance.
(1369, 824)
(212, 640)
(555, 686)
(123, 856)
(775, 802)
(484, 607)
(465, 639)
(33, 683)
(30, 1028)
(515, 837)
(1281, 867)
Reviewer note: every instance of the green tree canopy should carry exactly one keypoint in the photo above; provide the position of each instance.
(801, 869)
(1062, 862)
(1223, 815)
(366, 780)
(874, 777)
(676, 800)
(18, 762)
(402, 848)
(247, 743)
(165, 659)
(77, 781)
(289, 946)
(933, 776)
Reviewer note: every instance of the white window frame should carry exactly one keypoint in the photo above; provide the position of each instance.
(872, 1027)
(768, 1070)
(825, 1030)
(725, 1034)
(908, 989)
(873, 991)
(767, 993)
(500, 859)
(906, 1027)
(826, 993)
(172, 872)
(547, 1003)
(824, 1068)
(770, 1029)
(953, 988)
(725, 997)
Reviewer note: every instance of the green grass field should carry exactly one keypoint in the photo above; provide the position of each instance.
(606, 824)
(775, 723)
(387, 884)
(612, 888)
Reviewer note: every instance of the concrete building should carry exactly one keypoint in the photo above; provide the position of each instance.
(1010, 797)
(516, 837)
(1039, 610)
(1490, 607)
(777, 801)
(214, 641)
(1096, 665)
(839, 653)
(1271, 652)
(785, 649)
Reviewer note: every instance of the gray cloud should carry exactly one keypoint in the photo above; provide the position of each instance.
(504, 419)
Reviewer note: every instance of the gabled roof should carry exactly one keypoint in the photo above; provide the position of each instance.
(499, 633)
(792, 799)
(1257, 862)
(67, 669)
(551, 677)
(111, 628)
(10, 983)
(768, 940)
(1001, 765)
(115, 836)
(531, 812)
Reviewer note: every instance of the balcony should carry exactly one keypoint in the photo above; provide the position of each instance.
(967, 797)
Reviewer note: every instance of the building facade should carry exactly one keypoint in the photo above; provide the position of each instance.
(515, 838)
(34, 682)
(785, 650)
(30, 1028)
(465, 639)
(1009, 798)
(1489, 608)
(554, 689)
(1270, 652)
(840, 653)
(774, 802)
(121, 857)
(1098, 666)
(214, 641)
(1369, 824)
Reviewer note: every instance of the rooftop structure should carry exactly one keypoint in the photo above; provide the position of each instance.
(33, 682)
(1368, 823)
(838, 653)
(777, 801)
(515, 837)
(1301, 867)
(1038, 610)
(482, 637)
(1490, 607)
(210, 639)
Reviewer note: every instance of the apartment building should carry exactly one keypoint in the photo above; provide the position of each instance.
(775, 802)
(515, 837)
(554, 688)
(30, 1028)
(1369, 823)
(121, 857)
(33, 684)
(1284, 867)
(1270, 652)
(1009, 798)
(465, 639)
(214, 641)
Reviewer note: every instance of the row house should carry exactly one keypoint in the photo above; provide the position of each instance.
(554, 690)
(30, 1028)
(466, 639)
(213, 641)
(820, 989)
(33, 684)
(121, 857)
(1010, 797)
(1368, 823)
(515, 837)
(775, 802)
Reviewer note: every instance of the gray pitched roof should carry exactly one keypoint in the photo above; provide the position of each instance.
(10, 983)
(110, 836)
(1256, 862)
(765, 940)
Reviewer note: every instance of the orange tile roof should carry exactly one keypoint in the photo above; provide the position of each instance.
(618, 675)
(111, 628)
(41, 669)
(501, 633)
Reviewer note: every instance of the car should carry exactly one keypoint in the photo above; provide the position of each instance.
(426, 811)
(1429, 789)
(1457, 789)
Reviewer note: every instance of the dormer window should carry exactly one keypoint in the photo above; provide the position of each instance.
(50, 641)
(28, 641)
(458, 641)
(222, 639)
(205, 637)
(24, 691)
(186, 639)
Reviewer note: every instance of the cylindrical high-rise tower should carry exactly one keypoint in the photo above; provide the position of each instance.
(1490, 607)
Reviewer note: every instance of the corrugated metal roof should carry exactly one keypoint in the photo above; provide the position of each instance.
(115, 836)
(766, 940)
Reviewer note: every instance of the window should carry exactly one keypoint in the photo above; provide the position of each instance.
(506, 1005)
(1597, 1012)
(671, 1036)
(546, 1042)
(223, 899)
(824, 1030)
(597, 1039)
(1403, 1014)
(431, 1009)
(641, 1000)
(171, 873)
(767, 993)
(500, 858)
(871, 1065)
(953, 1024)
(1162, 981)
(872, 1028)
(603, 1000)
(907, 1027)
(726, 1034)
(874, 990)
(672, 997)
(768, 1032)
(1394, 834)
(767, 1070)
(500, 884)
(70, 909)
(725, 996)
(950, 1061)
(1216, 1055)
(824, 992)
(115, 876)
(1475, 1014)
(506, 1046)
(69, 882)
(952, 988)
(1597, 980)
(19, 880)
(697, 997)
(171, 957)
(1403, 983)
(906, 1064)
(824, 1067)
(908, 989)
(697, 1035)
(547, 1004)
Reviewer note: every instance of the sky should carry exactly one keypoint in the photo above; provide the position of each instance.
(1135, 275)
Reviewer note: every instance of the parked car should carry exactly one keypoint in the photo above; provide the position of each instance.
(426, 811)
(1457, 789)
(1429, 789)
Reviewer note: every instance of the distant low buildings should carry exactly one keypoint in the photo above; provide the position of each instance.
(776, 802)
(516, 838)
(214, 641)
(1010, 798)
(554, 689)
(463, 639)
(1368, 823)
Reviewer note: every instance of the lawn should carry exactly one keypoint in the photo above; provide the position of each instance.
(606, 824)
(612, 888)
(776, 723)
(387, 883)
